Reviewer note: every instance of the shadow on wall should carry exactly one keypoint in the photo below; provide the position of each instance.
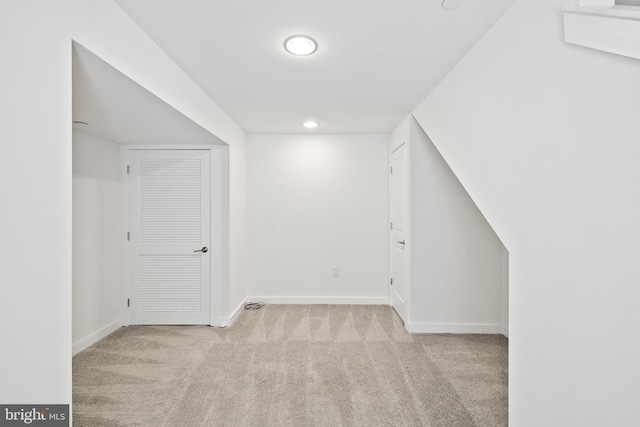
(458, 265)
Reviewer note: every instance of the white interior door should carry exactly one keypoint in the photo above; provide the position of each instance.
(170, 223)
(398, 234)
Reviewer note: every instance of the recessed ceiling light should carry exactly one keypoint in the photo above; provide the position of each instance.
(310, 124)
(451, 4)
(300, 45)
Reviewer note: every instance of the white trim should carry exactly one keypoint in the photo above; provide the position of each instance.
(607, 10)
(322, 300)
(505, 331)
(219, 251)
(211, 146)
(234, 316)
(614, 29)
(90, 340)
(124, 221)
(454, 328)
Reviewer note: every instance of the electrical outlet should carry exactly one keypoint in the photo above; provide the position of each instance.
(335, 271)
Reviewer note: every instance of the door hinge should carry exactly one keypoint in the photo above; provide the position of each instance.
(391, 170)
(391, 226)
(128, 235)
(391, 281)
(128, 169)
(128, 302)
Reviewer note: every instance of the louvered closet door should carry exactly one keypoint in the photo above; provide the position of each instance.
(169, 222)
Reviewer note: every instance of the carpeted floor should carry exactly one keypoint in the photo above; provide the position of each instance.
(292, 365)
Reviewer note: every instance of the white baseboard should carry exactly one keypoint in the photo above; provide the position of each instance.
(505, 331)
(454, 328)
(322, 300)
(96, 336)
(234, 316)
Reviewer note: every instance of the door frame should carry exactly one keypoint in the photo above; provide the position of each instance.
(396, 142)
(219, 238)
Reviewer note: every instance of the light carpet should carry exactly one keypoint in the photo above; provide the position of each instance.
(292, 365)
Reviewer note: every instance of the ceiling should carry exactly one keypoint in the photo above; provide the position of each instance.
(118, 109)
(376, 61)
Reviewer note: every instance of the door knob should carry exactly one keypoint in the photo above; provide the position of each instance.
(402, 242)
(204, 249)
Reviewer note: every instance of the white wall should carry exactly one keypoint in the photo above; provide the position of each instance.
(455, 256)
(505, 292)
(36, 178)
(545, 138)
(237, 225)
(97, 239)
(314, 202)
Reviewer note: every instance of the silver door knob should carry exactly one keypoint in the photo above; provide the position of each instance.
(204, 249)
(402, 242)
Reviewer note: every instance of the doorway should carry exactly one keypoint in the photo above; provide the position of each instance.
(169, 237)
(398, 230)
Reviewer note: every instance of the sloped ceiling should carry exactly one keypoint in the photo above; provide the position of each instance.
(118, 109)
(376, 61)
